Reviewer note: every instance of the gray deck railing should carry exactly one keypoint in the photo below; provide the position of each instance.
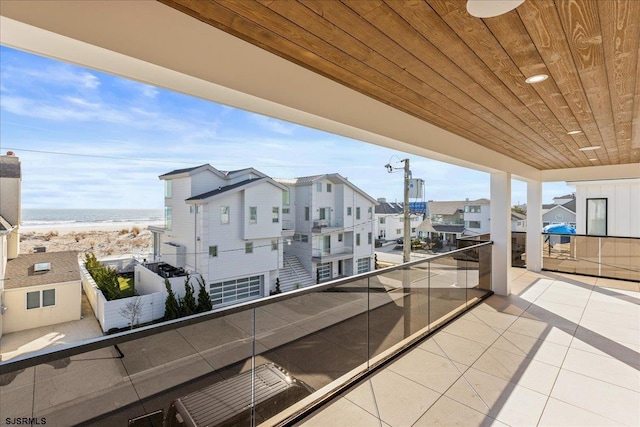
(325, 336)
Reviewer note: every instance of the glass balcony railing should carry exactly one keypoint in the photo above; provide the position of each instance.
(327, 252)
(601, 256)
(327, 223)
(243, 365)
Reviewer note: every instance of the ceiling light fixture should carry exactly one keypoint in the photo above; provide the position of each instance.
(574, 132)
(537, 78)
(593, 147)
(593, 160)
(491, 8)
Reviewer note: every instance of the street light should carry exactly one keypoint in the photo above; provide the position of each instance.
(406, 244)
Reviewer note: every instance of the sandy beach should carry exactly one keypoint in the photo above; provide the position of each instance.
(103, 240)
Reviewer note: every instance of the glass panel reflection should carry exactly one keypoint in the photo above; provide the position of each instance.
(448, 292)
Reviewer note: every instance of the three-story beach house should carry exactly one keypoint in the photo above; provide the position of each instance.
(333, 223)
(225, 227)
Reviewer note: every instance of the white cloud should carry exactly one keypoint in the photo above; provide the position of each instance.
(273, 125)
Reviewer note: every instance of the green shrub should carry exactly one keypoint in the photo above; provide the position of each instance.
(106, 278)
(171, 305)
(204, 299)
(189, 305)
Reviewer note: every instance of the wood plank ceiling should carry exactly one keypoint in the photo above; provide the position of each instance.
(433, 60)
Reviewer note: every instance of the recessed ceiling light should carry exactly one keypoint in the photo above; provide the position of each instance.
(537, 78)
(574, 132)
(593, 147)
(491, 8)
(593, 160)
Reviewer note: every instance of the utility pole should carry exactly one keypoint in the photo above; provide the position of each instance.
(406, 246)
(406, 255)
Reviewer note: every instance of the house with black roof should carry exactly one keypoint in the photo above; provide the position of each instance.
(223, 226)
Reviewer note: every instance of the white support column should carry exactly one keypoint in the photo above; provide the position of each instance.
(534, 226)
(501, 232)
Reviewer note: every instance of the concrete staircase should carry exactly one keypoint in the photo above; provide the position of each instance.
(293, 275)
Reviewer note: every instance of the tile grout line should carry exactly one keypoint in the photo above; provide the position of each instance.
(565, 355)
(375, 403)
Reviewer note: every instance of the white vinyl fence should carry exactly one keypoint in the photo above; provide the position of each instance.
(148, 285)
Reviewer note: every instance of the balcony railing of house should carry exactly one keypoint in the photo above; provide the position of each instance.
(317, 340)
(318, 253)
(287, 224)
(319, 224)
(600, 256)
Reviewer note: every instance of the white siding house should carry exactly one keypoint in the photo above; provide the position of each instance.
(224, 226)
(561, 211)
(608, 207)
(476, 216)
(333, 224)
(389, 224)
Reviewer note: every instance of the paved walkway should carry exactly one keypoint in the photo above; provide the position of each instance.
(562, 350)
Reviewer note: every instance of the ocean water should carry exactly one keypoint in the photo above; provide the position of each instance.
(46, 218)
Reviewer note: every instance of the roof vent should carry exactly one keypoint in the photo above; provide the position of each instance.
(41, 267)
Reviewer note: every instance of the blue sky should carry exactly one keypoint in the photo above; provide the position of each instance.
(92, 140)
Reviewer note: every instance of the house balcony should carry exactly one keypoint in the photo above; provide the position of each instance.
(288, 228)
(324, 336)
(326, 226)
(422, 343)
(332, 254)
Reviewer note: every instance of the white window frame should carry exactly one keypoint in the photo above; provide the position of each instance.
(275, 215)
(40, 299)
(253, 214)
(168, 220)
(213, 249)
(248, 247)
(224, 214)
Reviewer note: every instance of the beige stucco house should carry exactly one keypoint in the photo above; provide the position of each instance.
(41, 289)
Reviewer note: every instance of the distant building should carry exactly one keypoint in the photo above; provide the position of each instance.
(11, 201)
(390, 219)
(334, 226)
(518, 221)
(41, 289)
(224, 226)
(35, 289)
(476, 217)
(561, 211)
(447, 212)
(244, 232)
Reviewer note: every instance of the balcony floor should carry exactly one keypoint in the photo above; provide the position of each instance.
(562, 350)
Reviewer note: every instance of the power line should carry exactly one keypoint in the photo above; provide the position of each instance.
(150, 160)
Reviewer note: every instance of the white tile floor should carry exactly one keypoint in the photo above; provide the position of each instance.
(562, 350)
